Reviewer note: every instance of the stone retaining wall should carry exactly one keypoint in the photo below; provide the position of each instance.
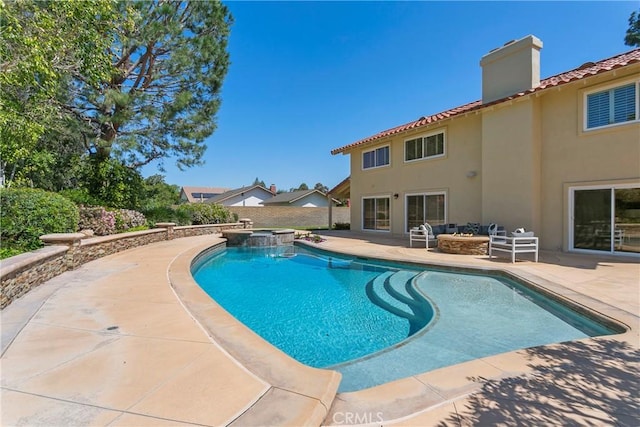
(199, 230)
(98, 247)
(21, 273)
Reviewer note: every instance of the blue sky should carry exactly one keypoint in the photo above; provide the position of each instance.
(308, 77)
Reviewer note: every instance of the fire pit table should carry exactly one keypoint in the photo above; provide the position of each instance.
(463, 244)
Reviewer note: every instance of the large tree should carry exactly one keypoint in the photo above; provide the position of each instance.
(259, 182)
(42, 45)
(159, 194)
(321, 187)
(632, 38)
(169, 64)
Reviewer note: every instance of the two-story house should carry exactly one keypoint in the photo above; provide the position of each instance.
(559, 156)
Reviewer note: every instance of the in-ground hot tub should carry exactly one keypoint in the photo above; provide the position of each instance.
(259, 238)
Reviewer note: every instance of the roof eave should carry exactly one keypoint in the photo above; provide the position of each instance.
(451, 114)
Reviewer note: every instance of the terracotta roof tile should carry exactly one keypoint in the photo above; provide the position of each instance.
(585, 70)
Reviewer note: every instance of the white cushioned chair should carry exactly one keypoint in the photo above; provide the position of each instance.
(423, 233)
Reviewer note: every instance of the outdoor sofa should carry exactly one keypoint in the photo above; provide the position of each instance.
(426, 233)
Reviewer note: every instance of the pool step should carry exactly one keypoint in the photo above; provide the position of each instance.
(378, 294)
(398, 285)
(401, 286)
(394, 292)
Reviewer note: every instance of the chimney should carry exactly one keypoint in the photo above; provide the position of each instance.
(510, 69)
(272, 188)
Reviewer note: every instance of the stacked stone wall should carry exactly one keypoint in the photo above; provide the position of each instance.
(20, 274)
(99, 247)
(23, 272)
(199, 230)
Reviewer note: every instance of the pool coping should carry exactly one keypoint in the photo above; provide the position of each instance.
(391, 402)
(298, 394)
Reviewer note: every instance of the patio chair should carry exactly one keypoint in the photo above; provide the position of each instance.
(618, 238)
(423, 233)
(520, 241)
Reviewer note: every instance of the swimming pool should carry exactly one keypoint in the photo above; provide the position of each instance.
(376, 322)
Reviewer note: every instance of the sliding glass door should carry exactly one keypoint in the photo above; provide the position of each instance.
(376, 214)
(423, 208)
(606, 219)
(626, 232)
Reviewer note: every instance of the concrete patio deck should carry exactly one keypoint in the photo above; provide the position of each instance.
(115, 343)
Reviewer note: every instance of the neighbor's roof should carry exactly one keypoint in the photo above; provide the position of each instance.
(585, 70)
(292, 196)
(235, 192)
(193, 193)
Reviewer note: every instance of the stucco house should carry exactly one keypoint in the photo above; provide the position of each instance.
(301, 198)
(558, 156)
(200, 194)
(253, 195)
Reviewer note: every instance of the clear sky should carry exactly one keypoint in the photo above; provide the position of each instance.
(308, 77)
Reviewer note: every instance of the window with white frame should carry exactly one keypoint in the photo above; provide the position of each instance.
(612, 106)
(429, 207)
(375, 158)
(424, 147)
(376, 213)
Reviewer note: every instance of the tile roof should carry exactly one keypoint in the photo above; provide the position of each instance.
(586, 70)
(208, 191)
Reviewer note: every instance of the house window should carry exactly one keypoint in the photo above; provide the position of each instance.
(612, 106)
(375, 158)
(424, 147)
(375, 214)
(423, 208)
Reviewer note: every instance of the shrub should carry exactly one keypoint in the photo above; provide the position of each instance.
(167, 214)
(127, 219)
(104, 221)
(315, 238)
(98, 219)
(80, 197)
(206, 213)
(342, 226)
(26, 214)
(9, 252)
(109, 182)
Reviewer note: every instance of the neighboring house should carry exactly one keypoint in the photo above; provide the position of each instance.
(301, 198)
(252, 195)
(558, 156)
(200, 194)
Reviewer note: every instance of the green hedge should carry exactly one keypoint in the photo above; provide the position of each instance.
(26, 214)
(166, 214)
(206, 213)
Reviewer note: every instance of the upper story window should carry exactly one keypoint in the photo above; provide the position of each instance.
(424, 147)
(375, 158)
(612, 106)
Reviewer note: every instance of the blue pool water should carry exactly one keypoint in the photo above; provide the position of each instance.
(376, 322)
